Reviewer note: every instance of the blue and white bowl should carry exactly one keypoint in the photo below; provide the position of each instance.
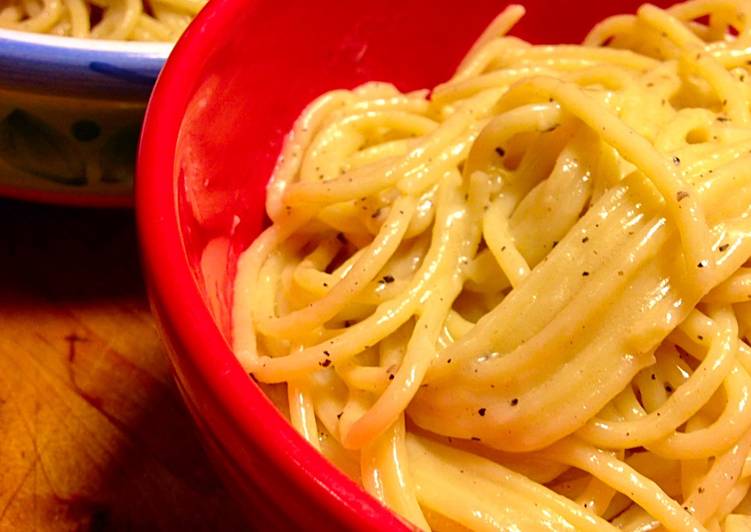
(70, 115)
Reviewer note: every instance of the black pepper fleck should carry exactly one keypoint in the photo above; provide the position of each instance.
(482, 411)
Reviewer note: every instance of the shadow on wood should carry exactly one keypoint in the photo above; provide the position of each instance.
(95, 436)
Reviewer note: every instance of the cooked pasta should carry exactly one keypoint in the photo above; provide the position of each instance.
(136, 20)
(522, 301)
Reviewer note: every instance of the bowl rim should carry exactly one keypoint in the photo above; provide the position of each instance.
(173, 289)
(72, 44)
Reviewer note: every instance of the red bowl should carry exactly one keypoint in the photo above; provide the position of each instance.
(214, 127)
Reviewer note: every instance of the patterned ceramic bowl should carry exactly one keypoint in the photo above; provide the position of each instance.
(70, 116)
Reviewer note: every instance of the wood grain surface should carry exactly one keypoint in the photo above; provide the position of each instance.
(93, 435)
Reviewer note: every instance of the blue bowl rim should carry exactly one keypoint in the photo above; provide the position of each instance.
(74, 67)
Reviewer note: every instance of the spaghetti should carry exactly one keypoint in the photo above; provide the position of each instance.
(138, 20)
(523, 301)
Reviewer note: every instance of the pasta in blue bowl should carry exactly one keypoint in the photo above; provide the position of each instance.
(76, 76)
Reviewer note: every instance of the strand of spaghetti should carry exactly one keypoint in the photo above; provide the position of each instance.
(79, 18)
(309, 273)
(735, 289)
(510, 52)
(692, 471)
(501, 244)
(484, 495)
(362, 272)
(732, 500)
(499, 27)
(301, 413)
(476, 65)
(680, 197)
(188, 6)
(451, 91)
(596, 497)
(670, 27)
(725, 472)
(613, 78)
(386, 475)
(413, 103)
(51, 12)
(175, 20)
(117, 24)
(365, 378)
(149, 28)
(681, 405)
(608, 28)
(610, 56)
(427, 177)
(356, 405)
(625, 479)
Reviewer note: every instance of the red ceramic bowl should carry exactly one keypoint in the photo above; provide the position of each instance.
(214, 127)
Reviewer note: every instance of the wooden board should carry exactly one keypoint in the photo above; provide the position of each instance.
(94, 435)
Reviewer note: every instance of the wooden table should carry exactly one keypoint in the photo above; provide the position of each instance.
(93, 434)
